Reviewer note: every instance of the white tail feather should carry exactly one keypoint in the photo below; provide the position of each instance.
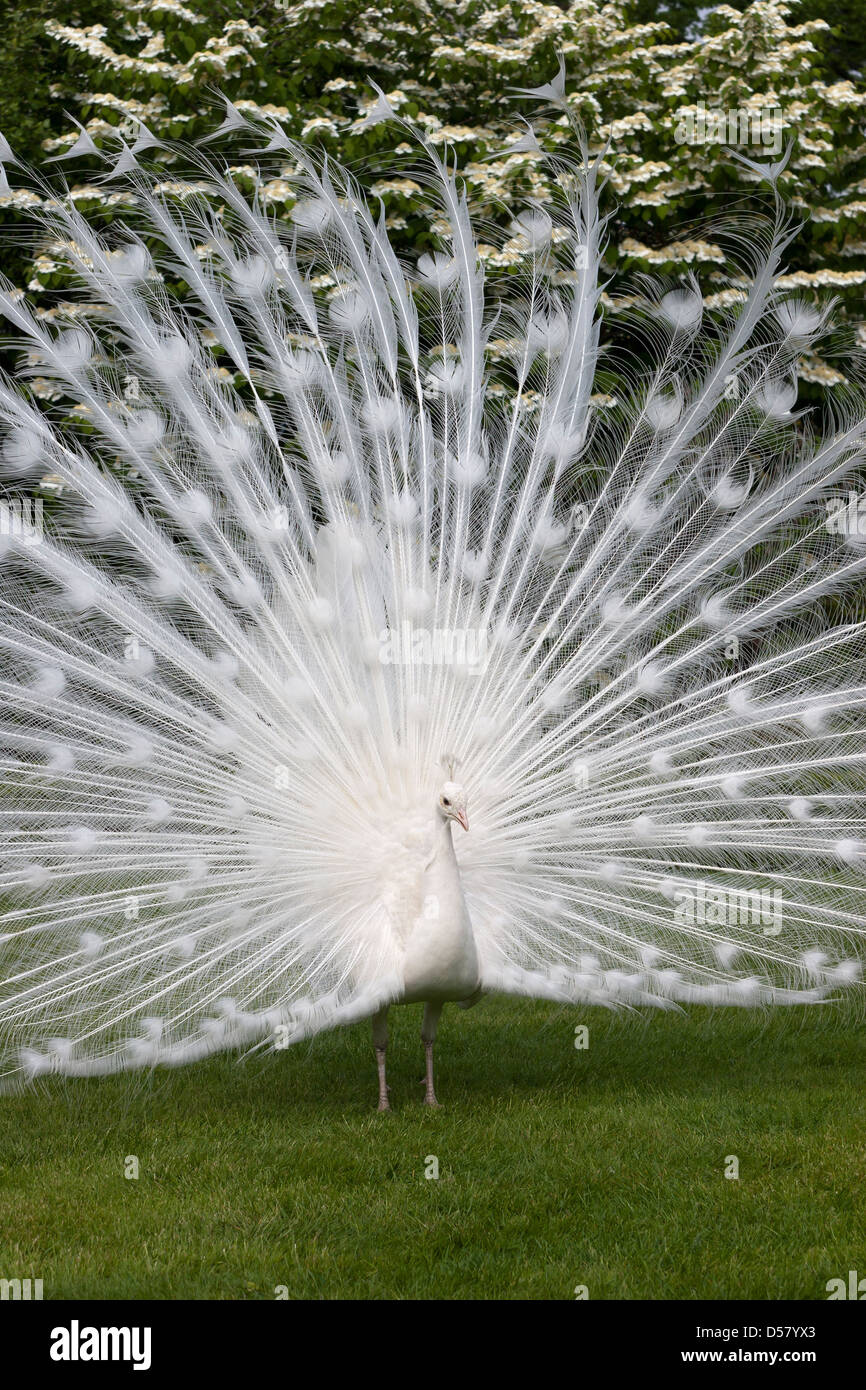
(279, 584)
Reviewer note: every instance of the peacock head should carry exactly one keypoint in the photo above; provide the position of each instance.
(452, 804)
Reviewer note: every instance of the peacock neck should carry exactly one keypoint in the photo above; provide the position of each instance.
(443, 843)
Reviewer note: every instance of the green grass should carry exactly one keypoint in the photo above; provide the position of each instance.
(558, 1167)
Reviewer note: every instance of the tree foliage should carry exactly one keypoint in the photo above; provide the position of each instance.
(451, 66)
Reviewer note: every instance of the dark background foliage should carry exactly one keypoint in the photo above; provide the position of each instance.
(32, 63)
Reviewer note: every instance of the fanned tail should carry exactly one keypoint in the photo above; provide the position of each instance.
(317, 519)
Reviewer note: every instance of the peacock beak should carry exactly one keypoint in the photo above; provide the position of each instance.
(463, 819)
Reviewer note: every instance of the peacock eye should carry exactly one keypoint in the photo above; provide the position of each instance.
(445, 801)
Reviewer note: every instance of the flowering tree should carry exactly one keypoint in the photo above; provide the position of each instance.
(665, 116)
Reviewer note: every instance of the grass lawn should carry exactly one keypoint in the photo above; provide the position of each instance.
(557, 1167)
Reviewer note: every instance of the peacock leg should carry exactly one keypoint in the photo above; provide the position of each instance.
(380, 1042)
(428, 1037)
